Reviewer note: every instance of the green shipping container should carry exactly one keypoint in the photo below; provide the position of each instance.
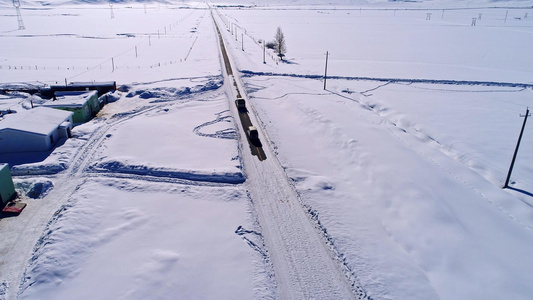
(7, 189)
(83, 104)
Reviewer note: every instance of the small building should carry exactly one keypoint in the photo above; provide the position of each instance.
(84, 104)
(7, 189)
(101, 87)
(33, 130)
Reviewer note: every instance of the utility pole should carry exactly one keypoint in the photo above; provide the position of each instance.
(242, 41)
(111, 7)
(16, 4)
(326, 70)
(506, 185)
(264, 61)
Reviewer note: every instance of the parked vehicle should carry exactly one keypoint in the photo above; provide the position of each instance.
(241, 104)
(252, 133)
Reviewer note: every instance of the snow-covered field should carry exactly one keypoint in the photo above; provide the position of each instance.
(177, 129)
(122, 239)
(398, 164)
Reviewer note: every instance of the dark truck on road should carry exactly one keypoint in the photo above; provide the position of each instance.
(241, 104)
(252, 133)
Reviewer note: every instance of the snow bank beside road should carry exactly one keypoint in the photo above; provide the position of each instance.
(117, 167)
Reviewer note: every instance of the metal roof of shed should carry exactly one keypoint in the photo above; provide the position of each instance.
(70, 99)
(40, 120)
(91, 84)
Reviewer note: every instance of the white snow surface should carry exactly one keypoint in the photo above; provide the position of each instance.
(44, 120)
(150, 241)
(406, 177)
(401, 179)
(172, 131)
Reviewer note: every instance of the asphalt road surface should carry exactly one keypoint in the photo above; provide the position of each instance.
(255, 144)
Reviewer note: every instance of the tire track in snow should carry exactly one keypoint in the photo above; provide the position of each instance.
(86, 152)
(37, 216)
(82, 158)
(464, 179)
(398, 131)
(228, 133)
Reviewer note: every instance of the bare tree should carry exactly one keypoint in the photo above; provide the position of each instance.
(279, 43)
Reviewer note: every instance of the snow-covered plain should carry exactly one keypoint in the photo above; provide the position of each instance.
(119, 239)
(162, 213)
(406, 177)
(402, 178)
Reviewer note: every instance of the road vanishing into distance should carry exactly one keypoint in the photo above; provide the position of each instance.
(304, 265)
(255, 145)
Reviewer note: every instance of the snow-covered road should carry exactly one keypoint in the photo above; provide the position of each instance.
(304, 266)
